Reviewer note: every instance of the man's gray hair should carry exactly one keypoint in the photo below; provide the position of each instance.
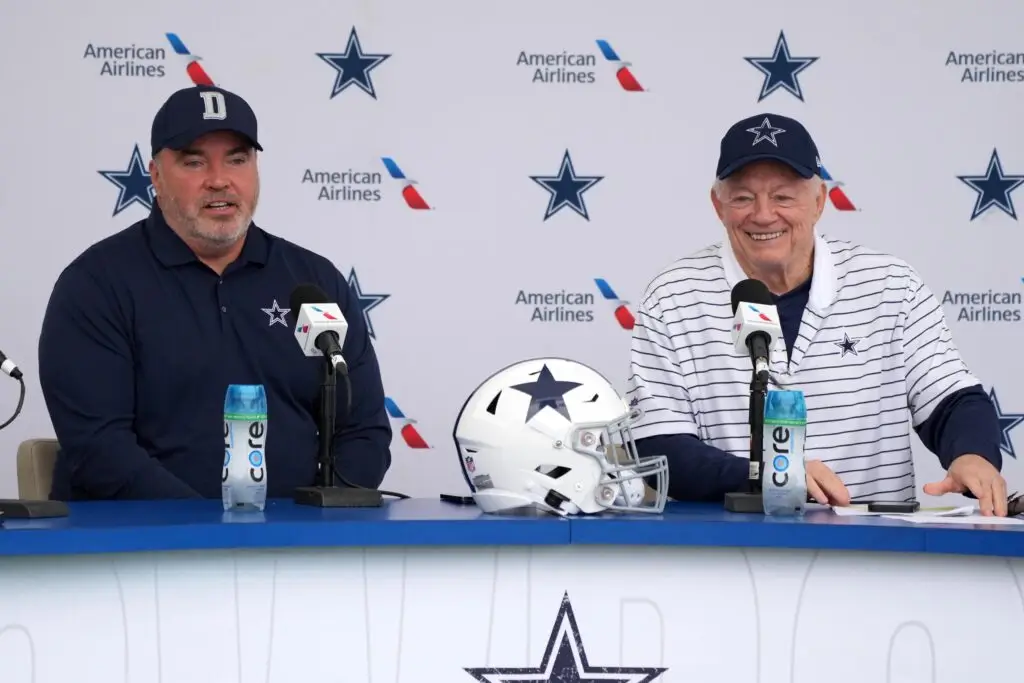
(719, 185)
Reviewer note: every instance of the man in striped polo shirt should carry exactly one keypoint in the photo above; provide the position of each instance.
(865, 340)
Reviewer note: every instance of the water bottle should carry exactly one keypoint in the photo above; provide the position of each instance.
(244, 479)
(784, 487)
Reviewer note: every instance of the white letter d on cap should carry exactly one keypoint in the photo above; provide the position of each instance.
(214, 106)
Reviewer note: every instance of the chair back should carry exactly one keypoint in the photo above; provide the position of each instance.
(36, 460)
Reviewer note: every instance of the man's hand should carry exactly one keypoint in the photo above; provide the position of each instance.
(974, 473)
(823, 484)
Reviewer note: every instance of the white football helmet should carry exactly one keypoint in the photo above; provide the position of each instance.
(554, 434)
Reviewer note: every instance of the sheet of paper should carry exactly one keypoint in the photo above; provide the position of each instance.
(862, 511)
(969, 519)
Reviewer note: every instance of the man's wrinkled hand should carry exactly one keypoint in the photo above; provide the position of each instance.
(824, 485)
(974, 473)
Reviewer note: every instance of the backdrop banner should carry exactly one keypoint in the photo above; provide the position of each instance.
(501, 180)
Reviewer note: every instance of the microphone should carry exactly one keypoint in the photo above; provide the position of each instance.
(320, 325)
(755, 328)
(8, 367)
(755, 324)
(320, 329)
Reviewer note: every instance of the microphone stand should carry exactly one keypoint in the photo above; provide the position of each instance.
(326, 494)
(750, 500)
(328, 411)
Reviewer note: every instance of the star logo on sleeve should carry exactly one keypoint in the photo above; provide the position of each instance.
(566, 188)
(848, 345)
(781, 70)
(134, 184)
(565, 661)
(546, 392)
(993, 188)
(277, 314)
(1007, 421)
(353, 66)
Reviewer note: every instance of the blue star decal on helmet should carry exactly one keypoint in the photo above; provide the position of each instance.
(566, 188)
(993, 188)
(367, 302)
(546, 392)
(565, 661)
(781, 70)
(353, 66)
(1007, 421)
(134, 184)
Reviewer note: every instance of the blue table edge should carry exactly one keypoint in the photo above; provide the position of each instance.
(168, 526)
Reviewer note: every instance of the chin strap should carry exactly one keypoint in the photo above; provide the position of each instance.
(555, 500)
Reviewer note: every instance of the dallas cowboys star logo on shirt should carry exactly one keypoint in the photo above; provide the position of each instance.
(277, 314)
(1007, 421)
(848, 345)
(566, 188)
(353, 66)
(780, 70)
(546, 392)
(134, 184)
(993, 188)
(766, 131)
(565, 661)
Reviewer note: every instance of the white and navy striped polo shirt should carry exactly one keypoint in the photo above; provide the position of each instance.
(873, 355)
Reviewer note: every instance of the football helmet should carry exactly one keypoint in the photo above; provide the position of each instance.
(554, 434)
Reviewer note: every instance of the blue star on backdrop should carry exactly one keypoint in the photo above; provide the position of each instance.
(367, 302)
(565, 661)
(781, 69)
(566, 188)
(134, 184)
(353, 66)
(1007, 421)
(993, 188)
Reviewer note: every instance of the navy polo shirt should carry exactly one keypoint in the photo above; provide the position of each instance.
(140, 341)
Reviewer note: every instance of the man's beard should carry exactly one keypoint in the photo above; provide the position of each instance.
(211, 230)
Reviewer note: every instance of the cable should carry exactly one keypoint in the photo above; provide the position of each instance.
(343, 371)
(21, 403)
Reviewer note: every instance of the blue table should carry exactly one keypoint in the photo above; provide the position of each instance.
(420, 590)
(103, 527)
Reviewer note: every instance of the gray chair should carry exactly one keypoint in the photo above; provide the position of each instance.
(36, 459)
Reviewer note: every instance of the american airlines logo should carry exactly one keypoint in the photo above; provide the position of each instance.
(324, 313)
(761, 315)
(836, 194)
(985, 306)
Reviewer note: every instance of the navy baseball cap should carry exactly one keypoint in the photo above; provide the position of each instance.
(768, 136)
(193, 112)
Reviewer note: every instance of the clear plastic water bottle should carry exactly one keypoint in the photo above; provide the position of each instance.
(784, 488)
(244, 478)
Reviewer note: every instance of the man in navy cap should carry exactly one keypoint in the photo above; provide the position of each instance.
(864, 339)
(145, 330)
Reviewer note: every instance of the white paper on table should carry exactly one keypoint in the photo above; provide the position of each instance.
(969, 519)
(862, 511)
